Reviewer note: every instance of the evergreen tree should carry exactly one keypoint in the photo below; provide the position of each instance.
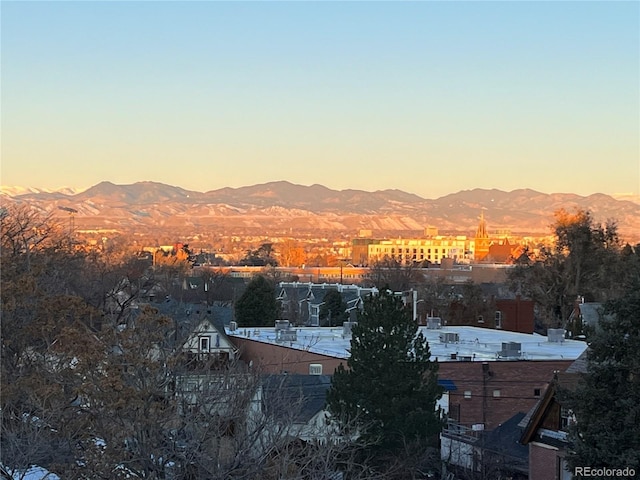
(607, 401)
(257, 307)
(390, 388)
(333, 310)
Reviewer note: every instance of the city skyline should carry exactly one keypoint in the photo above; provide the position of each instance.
(427, 97)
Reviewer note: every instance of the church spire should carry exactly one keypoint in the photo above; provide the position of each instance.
(482, 227)
(482, 241)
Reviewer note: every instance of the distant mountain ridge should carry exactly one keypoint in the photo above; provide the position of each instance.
(282, 205)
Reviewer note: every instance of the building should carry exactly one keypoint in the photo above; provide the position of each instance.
(546, 426)
(301, 302)
(492, 374)
(497, 453)
(421, 250)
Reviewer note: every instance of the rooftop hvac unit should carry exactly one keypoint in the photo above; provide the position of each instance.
(315, 369)
(449, 337)
(233, 326)
(282, 325)
(434, 323)
(346, 328)
(555, 335)
(289, 335)
(511, 349)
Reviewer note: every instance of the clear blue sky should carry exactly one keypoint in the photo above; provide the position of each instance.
(427, 97)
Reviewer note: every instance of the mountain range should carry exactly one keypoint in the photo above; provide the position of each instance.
(279, 207)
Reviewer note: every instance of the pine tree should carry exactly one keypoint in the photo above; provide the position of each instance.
(333, 310)
(257, 307)
(607, 402)
(390, 388)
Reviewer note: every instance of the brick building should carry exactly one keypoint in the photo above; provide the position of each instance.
(492, 374)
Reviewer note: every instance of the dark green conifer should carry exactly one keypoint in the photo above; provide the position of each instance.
(257, 306)
(390, 388)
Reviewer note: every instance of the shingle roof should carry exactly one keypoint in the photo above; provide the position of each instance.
(301, 396)
(505, 440)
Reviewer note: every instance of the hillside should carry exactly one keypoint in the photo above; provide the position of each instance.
(283, 206)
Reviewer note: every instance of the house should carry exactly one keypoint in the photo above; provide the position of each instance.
(297, 403)
(301, 302)
(473, 452)
(586, 316)
(546, 427)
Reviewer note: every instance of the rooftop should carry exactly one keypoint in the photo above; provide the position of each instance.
(466, 343)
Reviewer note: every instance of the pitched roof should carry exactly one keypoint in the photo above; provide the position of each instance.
(536, 416)
(505, 440)
(580, 364)
(301, 396)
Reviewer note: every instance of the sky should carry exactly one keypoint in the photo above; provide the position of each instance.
(428, 97)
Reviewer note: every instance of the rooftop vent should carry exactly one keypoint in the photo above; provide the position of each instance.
(282, 325)
(511, 350)
(449, 337)
(434, 323)
(288, 335)
(555, 335)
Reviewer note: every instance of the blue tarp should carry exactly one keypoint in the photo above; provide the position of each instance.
(448, 385)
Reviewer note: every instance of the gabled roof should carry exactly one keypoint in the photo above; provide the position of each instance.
(591, 312)
(188, 317)
(537, 415)
(504, 440)
(580, 364)
(301, 396)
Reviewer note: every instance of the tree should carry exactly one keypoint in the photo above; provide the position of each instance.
(291, 254)
(606, 403)
(257, 306)
(333, 310)
(390, 388)
(261, 257)
(393, 274)
(583, 262)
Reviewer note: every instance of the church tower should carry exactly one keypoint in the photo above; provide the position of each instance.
(482, 240)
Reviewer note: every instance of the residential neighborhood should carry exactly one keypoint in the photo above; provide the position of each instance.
(192, 371)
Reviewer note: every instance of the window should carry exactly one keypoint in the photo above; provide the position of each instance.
(566, 418)
(496, 394)
(498, 317)
(467, 394)
(536, 392)
(204, 344)
(480, 319)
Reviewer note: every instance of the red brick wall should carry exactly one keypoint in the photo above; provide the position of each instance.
(516, 381)
(517, 314)
(542, 463)
(276, 359)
